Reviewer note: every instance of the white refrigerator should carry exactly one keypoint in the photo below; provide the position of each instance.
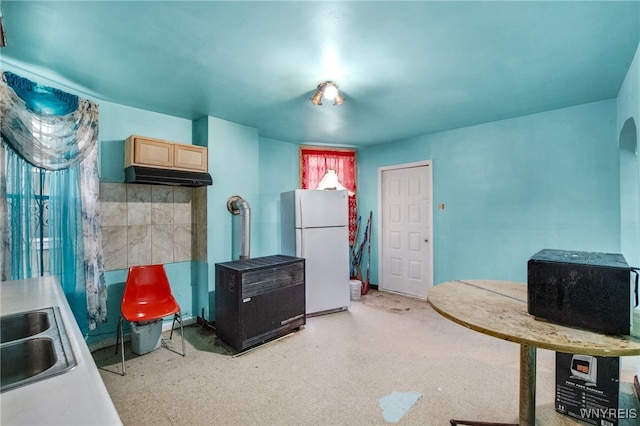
(314, 226)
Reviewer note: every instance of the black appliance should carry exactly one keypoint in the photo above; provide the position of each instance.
(259, 299)
(583, 289)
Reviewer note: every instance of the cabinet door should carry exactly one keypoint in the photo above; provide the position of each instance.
(190, 157)
(149, 152)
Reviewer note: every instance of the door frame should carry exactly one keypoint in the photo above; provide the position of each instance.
(381, 242)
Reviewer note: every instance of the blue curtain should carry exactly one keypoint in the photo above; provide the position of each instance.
(49, 193)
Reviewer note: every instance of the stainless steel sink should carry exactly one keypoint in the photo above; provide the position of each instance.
(34, 346)
(26, 358)
(24, 324)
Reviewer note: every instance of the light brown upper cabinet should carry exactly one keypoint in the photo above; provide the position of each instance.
(189, 157)
(149, 152)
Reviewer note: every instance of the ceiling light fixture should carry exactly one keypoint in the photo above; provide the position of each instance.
(329, 90)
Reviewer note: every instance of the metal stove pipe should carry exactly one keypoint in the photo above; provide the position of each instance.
(238, 205)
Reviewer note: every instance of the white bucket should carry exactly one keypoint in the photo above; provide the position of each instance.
(356, 288)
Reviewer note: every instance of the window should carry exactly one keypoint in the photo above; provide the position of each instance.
(40, 211)
(34, 205)
(39, 206)
(315, 162)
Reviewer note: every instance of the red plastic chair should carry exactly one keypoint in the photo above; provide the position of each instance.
(147, 297)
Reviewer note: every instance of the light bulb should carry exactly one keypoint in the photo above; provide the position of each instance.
(330, 91)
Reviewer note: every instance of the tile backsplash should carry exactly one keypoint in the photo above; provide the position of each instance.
(147, 224)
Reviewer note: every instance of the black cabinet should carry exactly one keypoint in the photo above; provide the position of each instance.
(259, 299)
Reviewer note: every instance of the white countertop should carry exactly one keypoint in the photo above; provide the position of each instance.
(76, 397)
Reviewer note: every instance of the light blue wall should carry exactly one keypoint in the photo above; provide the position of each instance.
(117, 122)
(628, 104)
(279, 172)
(512, 188)
(234, 167)
(233, 164)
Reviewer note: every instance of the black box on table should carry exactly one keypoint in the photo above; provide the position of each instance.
(583, 289)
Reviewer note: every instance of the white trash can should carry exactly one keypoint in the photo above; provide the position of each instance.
(145, 336)
(355, 287)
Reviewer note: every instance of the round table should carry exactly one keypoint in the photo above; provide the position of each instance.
(499, 309)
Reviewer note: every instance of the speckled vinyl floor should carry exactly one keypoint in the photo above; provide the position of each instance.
(389, 359)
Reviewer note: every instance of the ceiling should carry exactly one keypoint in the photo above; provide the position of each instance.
(405, 68)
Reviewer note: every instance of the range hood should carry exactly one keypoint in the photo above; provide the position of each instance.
(149, 175)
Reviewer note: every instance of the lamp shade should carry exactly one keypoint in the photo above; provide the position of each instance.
(317, 98)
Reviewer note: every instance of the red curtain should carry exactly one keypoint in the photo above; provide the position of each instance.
(314, 163)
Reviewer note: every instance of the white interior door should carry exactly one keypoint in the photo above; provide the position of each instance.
(406, 255)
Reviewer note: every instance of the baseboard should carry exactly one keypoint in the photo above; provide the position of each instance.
(110, 341)
(166, 326)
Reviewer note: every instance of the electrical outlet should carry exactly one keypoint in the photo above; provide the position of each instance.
(442, 206)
